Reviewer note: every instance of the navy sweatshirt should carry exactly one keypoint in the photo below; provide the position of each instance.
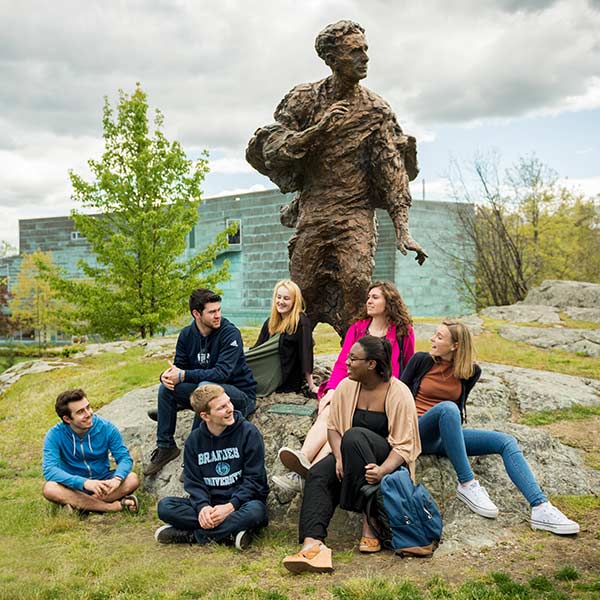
(218, 357)
(225, 468)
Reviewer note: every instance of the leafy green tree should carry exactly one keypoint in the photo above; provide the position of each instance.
(146, 195)
(33, 302)
(518, 230)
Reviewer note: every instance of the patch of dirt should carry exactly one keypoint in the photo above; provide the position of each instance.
(584, 435)
(522, 553)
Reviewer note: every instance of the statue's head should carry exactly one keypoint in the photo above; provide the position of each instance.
(343, 47)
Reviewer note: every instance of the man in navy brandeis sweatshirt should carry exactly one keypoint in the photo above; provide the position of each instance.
(224, 475)
(209, 350)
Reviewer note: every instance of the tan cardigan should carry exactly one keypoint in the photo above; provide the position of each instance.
(400, 410)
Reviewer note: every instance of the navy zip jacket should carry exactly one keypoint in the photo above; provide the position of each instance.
(420, 364)
(225, 468)
(218, 357)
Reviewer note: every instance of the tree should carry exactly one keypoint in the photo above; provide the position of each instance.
(146, 193)
(6, 249)
(519, 230)
(34, 303)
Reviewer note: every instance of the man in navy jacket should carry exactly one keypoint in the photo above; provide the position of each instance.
(224, 475)
(76, 464)
(209, 350)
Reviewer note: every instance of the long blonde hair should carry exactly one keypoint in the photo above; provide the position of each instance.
(463, 359)
(289, 323)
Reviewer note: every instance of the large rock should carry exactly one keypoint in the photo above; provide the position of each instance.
(563, 294)
(30, 367)
(502, 393)
(583, 314)
(523, 313)
(583, 341)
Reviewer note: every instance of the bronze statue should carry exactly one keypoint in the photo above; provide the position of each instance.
(339, 145)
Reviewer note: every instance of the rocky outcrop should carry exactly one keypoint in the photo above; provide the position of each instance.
(502, 393)
(564, 294)
(582, 341)
(523, 313)
(592, 315)
(30, 367)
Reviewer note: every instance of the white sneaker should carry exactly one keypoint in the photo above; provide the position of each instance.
(290, 482)
(477, 499)
(549, 518)
(294, 460)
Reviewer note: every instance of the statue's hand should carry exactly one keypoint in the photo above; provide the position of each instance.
(406, 243)
(333, 115)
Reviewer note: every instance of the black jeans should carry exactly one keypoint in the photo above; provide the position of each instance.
(324, 491)
(180, 513)
(171, 401)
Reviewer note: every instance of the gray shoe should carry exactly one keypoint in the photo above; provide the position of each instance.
(290, 482)
(167, 534)
(294, 460)
(159, 458)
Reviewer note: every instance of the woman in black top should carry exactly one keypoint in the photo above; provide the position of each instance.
(295, 337)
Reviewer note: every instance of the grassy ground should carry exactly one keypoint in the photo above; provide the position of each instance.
(47, 553)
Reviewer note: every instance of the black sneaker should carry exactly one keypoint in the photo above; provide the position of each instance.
(167, 534)
(153, 414)
(159, 458)
(243, 539)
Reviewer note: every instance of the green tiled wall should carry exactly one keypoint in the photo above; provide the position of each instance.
(262, 259)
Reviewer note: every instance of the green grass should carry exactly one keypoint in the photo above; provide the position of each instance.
(573, 413)
(47, 553)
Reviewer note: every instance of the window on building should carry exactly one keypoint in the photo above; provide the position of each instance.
(192, 238)
(234, 239)
(76, 235)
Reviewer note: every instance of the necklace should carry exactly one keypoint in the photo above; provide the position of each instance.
(381, 333)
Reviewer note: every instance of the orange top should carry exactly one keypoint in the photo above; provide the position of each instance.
(437, 385)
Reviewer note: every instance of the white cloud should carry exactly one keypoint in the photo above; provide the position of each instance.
(589, 186)
(239, 191)
(218, 69)
(230, 165)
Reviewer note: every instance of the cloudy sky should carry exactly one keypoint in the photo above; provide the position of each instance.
(464, 76)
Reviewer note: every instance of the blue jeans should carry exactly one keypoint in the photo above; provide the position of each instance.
(170, 402)
(180, 513)
(442, 434)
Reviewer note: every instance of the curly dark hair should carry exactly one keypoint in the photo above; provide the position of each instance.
(328, 39)
(395, 309)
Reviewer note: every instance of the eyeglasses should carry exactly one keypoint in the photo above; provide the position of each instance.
(353, 358)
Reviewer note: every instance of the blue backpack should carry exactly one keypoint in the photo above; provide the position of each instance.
(403, 515)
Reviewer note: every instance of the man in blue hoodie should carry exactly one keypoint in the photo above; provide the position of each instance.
(209, 350)
(76, 463)
(224, 475)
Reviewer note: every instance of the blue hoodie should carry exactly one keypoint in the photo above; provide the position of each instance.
(226, 468)
(70, 460)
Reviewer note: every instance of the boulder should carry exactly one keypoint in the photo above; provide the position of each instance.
(502, 393)
(591, 315)
(583, 341)
(523, 313)
(30, 367)
(563, 294)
